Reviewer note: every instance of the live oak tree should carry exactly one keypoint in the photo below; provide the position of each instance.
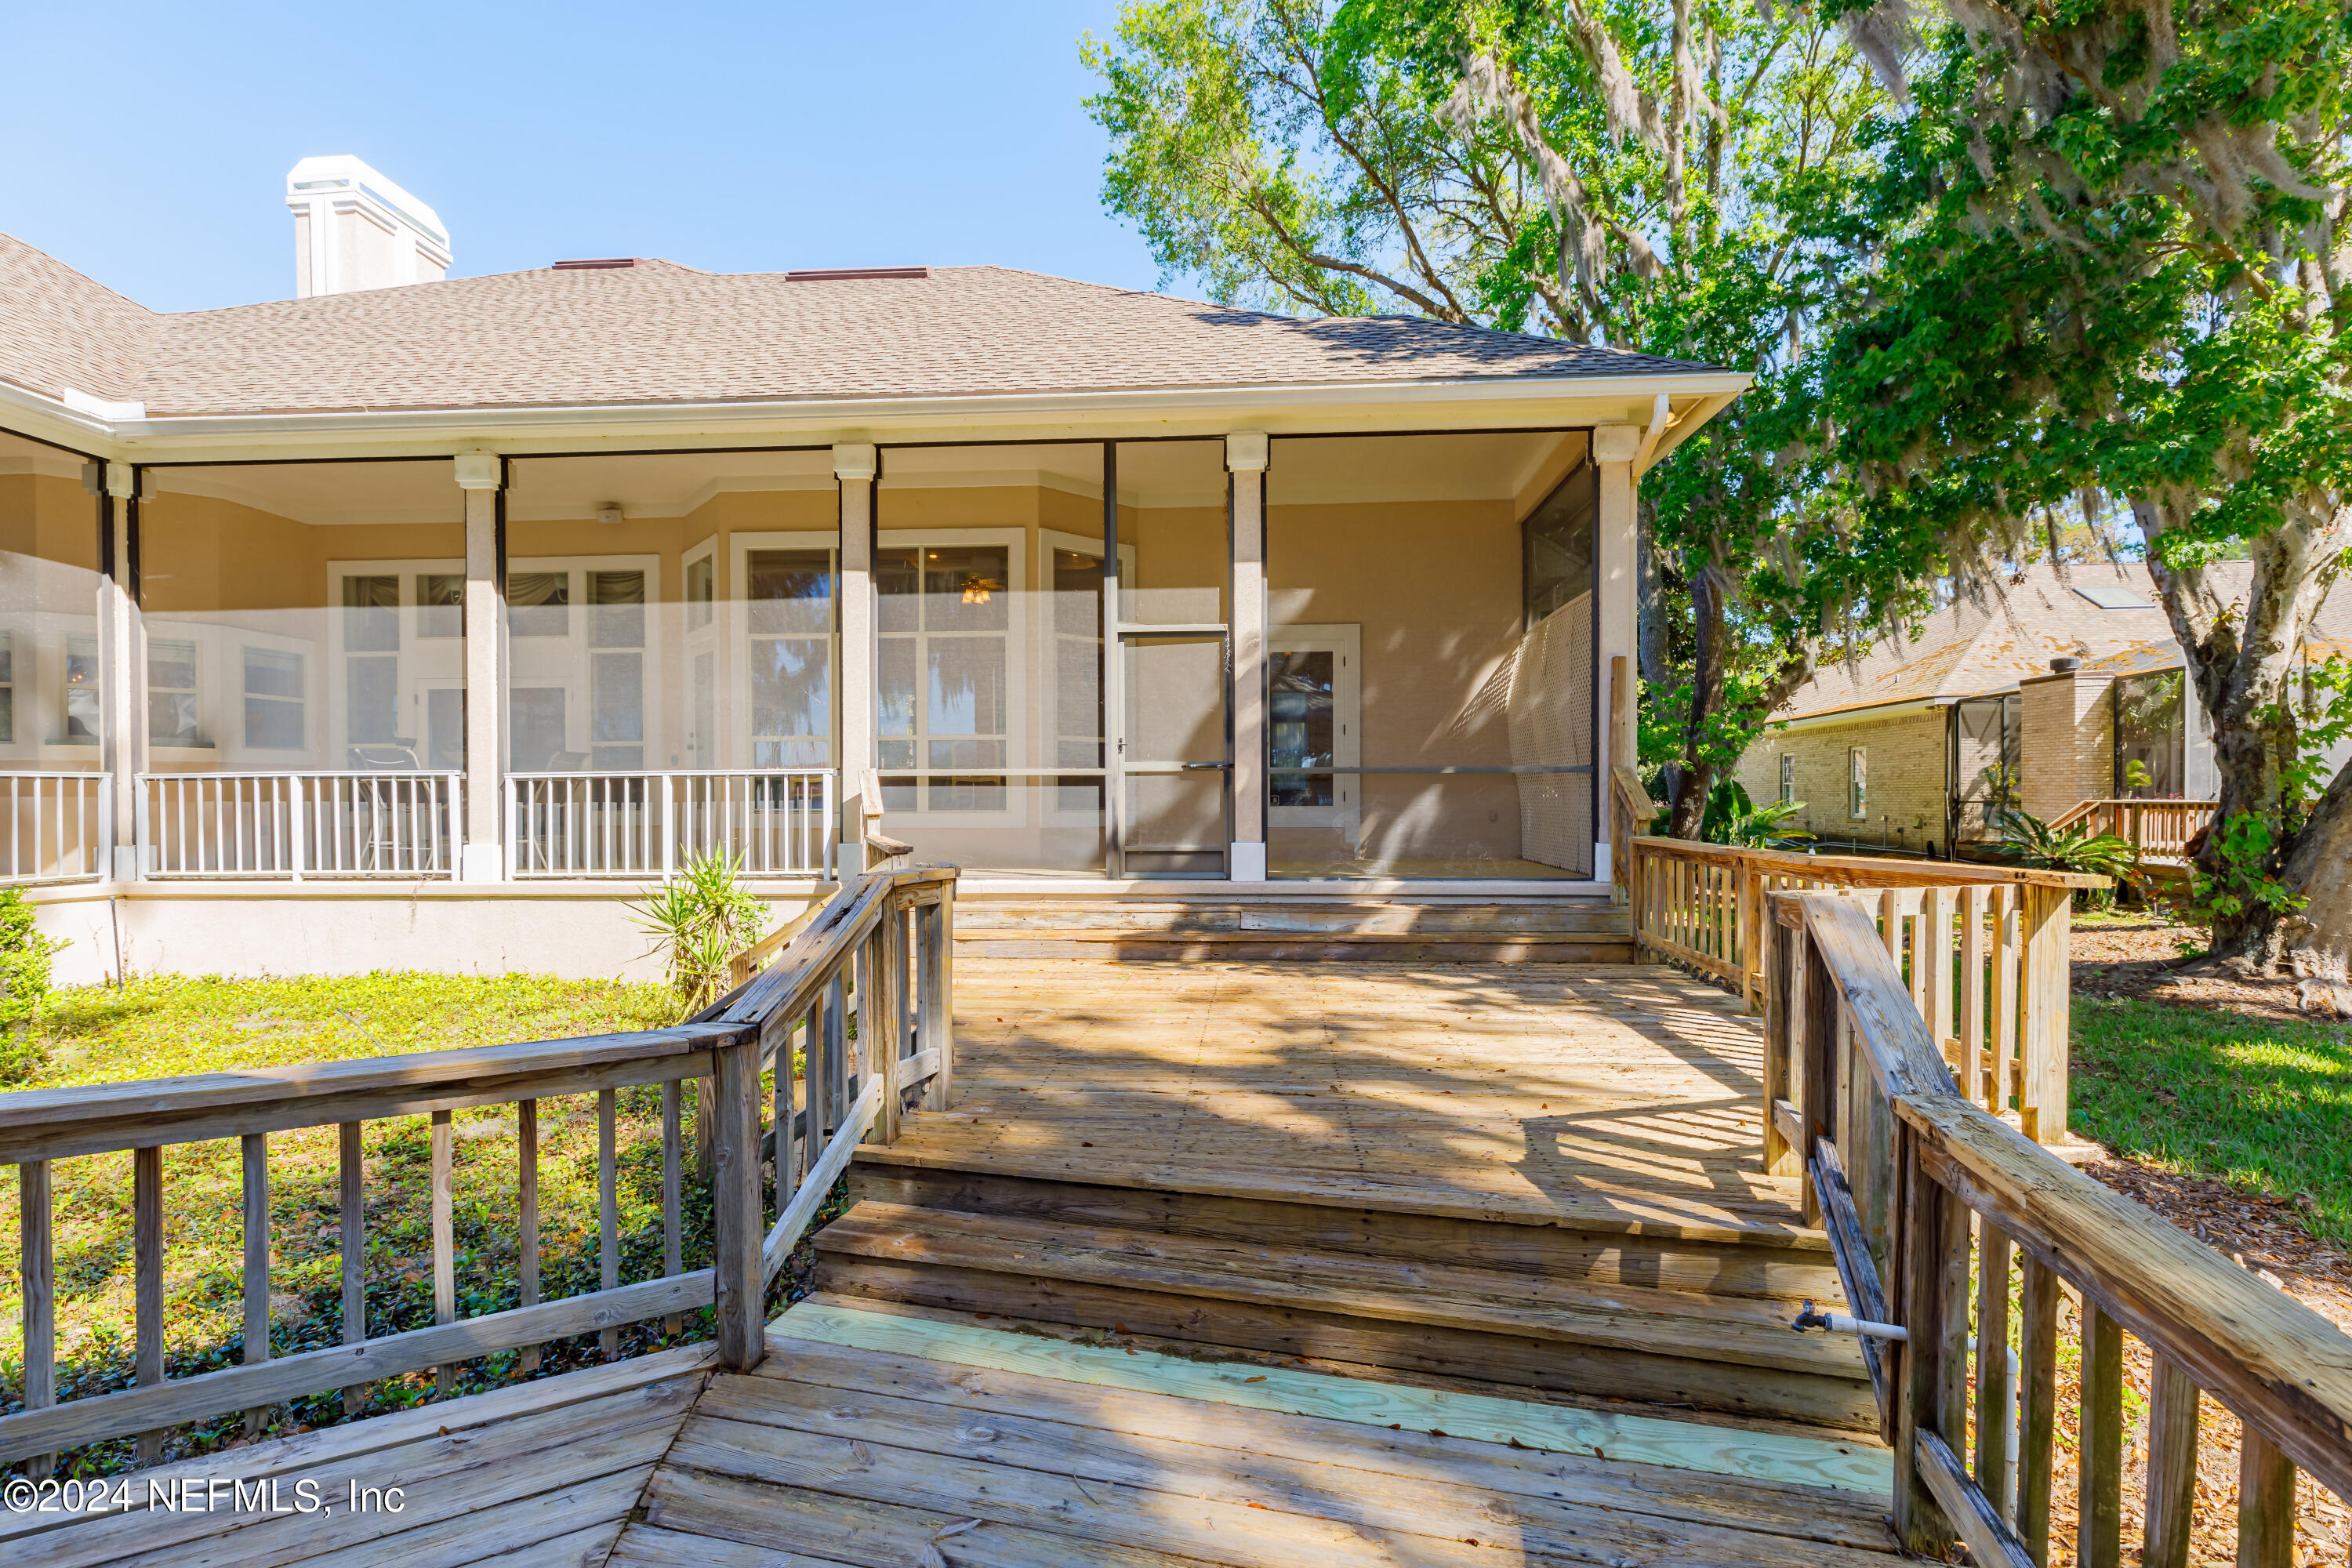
(2108, 257)
(1659, 175)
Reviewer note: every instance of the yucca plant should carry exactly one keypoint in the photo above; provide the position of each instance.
(699, 919)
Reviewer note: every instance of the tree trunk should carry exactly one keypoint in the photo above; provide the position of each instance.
(1688, 809)
(2320, 868)
(2240, 662)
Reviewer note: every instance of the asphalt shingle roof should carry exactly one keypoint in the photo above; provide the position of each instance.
(1972, 647)
(657, 333)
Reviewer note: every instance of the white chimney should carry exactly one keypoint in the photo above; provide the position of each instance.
(355, 229)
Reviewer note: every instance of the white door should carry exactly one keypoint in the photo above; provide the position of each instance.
(1314, 722)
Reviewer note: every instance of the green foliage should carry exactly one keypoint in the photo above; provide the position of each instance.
(2246, 857)
(24, 955)
(2103, 263)
(1651, 176)
(2263, 1105)
(699, 919)
(2027, 841)
(1733, 818)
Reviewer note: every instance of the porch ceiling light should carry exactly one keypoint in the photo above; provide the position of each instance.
(609, 513)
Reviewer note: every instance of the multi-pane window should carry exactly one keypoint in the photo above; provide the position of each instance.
(699, 585)
(372, 659)
(1301, 687)
(171, 711)
(440, 605)
(616, 670)
(538, 603)
(82, 696)
(791, 624)
(273, 699)
(942, 670)
(1077, 677)
(1857, 784)
(7, 688)
(1788, 778)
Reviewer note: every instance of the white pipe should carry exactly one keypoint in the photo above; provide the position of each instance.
(1838, 1323)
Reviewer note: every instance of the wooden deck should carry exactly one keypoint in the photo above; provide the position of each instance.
(1560, 1163)
(1621, 1095)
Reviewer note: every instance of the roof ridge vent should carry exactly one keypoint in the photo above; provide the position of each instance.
(595, 264)
(852, 274)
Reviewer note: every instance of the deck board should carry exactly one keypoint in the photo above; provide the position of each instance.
(1615, 1094)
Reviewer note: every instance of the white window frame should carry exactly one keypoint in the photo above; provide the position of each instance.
(1857, 784)
(1019, 643)
(735, 741)
(1346, 640)
(248, 645)
(1788, 777)
(693, 642)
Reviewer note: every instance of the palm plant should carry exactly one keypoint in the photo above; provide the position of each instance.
(1733, 818)
(699, 919)
(2027, 841)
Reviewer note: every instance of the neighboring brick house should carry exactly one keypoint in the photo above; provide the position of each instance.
(1921, 743)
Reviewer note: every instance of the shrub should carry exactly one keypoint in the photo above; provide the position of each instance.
(24, 955)
(2027, 841)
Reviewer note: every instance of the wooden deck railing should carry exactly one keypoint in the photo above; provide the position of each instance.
(1983, 950)
(1900, 1162)
(2158, 829)
(882, 946)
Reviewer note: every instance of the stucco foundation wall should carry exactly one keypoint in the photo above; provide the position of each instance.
(1906, 757)
(245, 931)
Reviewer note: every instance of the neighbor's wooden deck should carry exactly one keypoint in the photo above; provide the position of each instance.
(1618, 1096)
(1609, 1094)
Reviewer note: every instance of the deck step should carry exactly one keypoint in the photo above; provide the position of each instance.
(1735, 1355)
(1379, 917)
(1566, 930)
(1773, 1263)
(1266, 947)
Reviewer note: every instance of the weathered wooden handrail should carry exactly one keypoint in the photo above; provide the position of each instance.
(1899, 1159)
(2156, 828)
(1985, 948)
(884, 943)
(1631, 813)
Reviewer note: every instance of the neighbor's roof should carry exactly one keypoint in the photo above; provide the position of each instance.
(1976, 647)
(655, 331)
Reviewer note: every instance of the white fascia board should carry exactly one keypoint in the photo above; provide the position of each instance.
(1871, 715)
(28, 413)
(1564, 401)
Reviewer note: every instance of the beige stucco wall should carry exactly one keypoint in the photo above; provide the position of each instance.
(2066, 746)
(1907, 756)
(578, 931)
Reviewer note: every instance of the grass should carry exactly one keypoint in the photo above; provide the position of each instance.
(2263, 1104)
(165, 1026)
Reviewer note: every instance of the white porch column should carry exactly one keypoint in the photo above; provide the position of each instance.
(1613, 449)
(854, 466)
(123, 674)
(1245, 459)
(483, 859)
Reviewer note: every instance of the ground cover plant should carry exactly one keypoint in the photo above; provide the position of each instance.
(165, 1026)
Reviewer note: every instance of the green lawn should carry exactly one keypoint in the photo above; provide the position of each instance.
(165, 1026)
(2265, 1105)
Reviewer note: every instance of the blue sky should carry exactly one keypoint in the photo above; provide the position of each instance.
(152, 154)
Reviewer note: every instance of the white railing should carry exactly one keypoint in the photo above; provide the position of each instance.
(342, 824)
(775, 823)
(59, 824)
